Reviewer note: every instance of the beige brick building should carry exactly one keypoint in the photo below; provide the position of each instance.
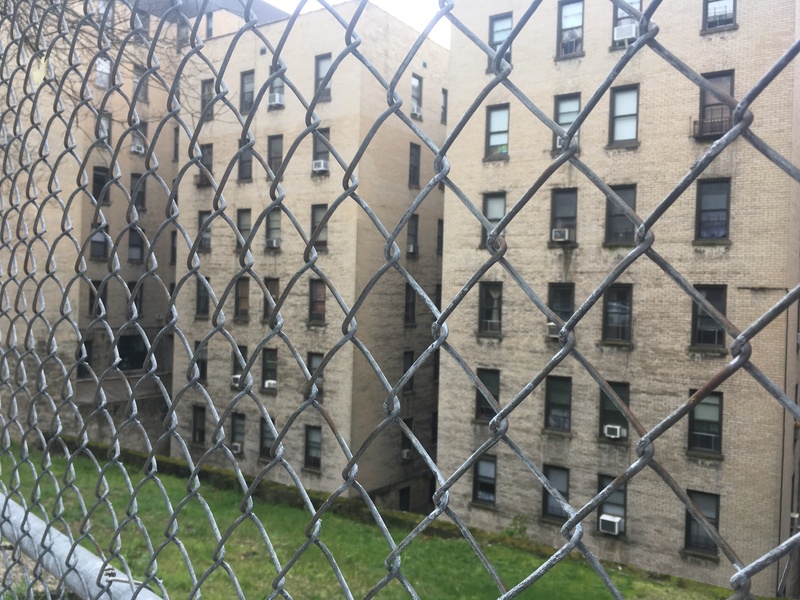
(733, 234)
(256, 372)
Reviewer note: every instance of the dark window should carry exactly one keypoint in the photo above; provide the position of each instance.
(611, 512)
(494, 209)
(404, 500)
(245, 161)
(408, 362)
(437, 296)
(98, 246)
(247, 83)
(613, 424)
(205, 235)
(321, 151)
(499, 29)
(705, 330)
(570, 29)
(272, 284)
(135, 246)
(316, 303)
(243, 224)
(318, 212)
(97, 288)
(237, 428)
(99, 181)
(266, 439)
(209, 24)
(491, 379)
(132, 352)
(715, 116)
(560, 479)
(624, 127)
(705, 424)
(85, 364)
(626, 24)
(173, 247)
(277, 85)
(176, 143)
(201, 352)
(412, 235)
(322, 65)
(269, 367)
(242, 298)
(207, 160)
(413, 164)
(138, 190)
(206, 94)
(713, 206)
(617, 308)
(435, 427)
(137, 297)
(183, 34)
(273, 228)
(439, 237)
(198, 424)
(557, 407)
(443, 117)
(140, 81)
(313, 363)
(238, 366)
(410, 312)
(485, 480)
(561, 299)
(564, 215)
(718, 13)
(275, 153)
(405, 441)
(490, 309)
(697, 538)
(497, 131)
(313, 449)
(568, 107)
(203, 298)
(619, 228)
(416, 97)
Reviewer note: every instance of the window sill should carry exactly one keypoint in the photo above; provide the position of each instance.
(622, 344)
(733, 27)
(711, 242)
(264, 459)
(689, 553)
(241, 320)
(555, 152)
(413, 186)
(569, 56)
(98, 258)
(320, 247)
(320, 174)
(135, 262)
(490, 335)
(412, 255)
(704, 455)
(609, 536)
(415, 118)
(500, 157)
(614, 245)
(272, 107)
(268, 391)
(563, 245)
(245, 180)
(704, 138)
(562, 433)
(552, 520)
(141, 209)
(481, 421)
(311, 470)
(623, 145)
(483, 505)
(618, 442)
(316, 323)
(708, 350)
(201, 317)
(409, 325)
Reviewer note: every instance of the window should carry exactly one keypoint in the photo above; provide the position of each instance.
(613, 506)
(497, 131)
(568, 107)
(316, 304)
(313, 451)
(715, 116)
(140, 82)
(198, 424)
(266, 439)
(144, 31)
(408, 362)
(705, 330)
(416, 97)
(277, 85)
(207, 160)
(435, 427)
(561, 299)
(705, 424)
(412, 235)
(494, 209)
(203, 298)
(102, 68)
(85, 364)
(318, 212)
(619, 228)
(623, 19)
(139, 138)
(272, 284)
(499, 29)
(183, 35)
(564, 215)
(206, 95)
(245, 161)
(697, 538)
(247, 83)
(321, 152)
(410, 312)
(173, 247)
(135, 246)
(570, 29)
(623, 130)
(97, 288)
(104, 127)
(269, 366)
(137, 297)
(209, 24)
(201, 352)
(132, 352)
(98, 246)
(242, 298)
(313, 363)
(176, 143)
(238, 367)
(274, 154)
(491, 379)
(440, 237)
(273, 228)
(205, 234)
(443, 117)
(560, 479)
(613, 424)
(484, 480)
(617, 308)
(718, 14)
(237, 429)
(558, 397)
(138, 190)
(243, 225)
(405, 441)
(322, 65)
(413, 164)
(713, 204)
(99, 181)
(489, 311)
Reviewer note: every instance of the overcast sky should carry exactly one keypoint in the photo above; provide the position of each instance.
(416, 13)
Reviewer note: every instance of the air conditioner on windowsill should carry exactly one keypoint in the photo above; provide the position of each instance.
(405, 454)
(611, 524)
(416, 111)
(270, 384)
(319, 166)
(553, 330)
(411, 249)
(236, 447)
(235, 381)
(626, 33)
(137, 149)
(614, 431)
(273, 244)
(275, 100)
(562, 235)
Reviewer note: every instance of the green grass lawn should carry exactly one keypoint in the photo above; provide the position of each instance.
(436, 567)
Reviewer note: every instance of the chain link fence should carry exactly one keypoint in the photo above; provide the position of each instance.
(105, 390)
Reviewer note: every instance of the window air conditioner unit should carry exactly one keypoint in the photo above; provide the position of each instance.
(416, 111)
(405, 454)
(614, 431)
(270, 384)
(561, 235)
(319, 166)
(235, 380)
(559, 143)
(275, 100)
(626, 33)
(553, 330)
(137, 149)
(236, 447)
(794, 520)
(611, 524)
(273, 244)
(411, 249)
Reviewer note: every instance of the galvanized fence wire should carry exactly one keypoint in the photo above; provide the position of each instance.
(50, 54)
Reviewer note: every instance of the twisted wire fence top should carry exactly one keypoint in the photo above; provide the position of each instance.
(146, 292)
